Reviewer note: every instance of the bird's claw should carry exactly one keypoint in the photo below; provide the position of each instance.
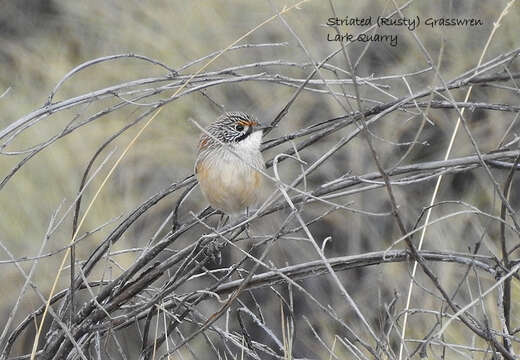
(214, 250)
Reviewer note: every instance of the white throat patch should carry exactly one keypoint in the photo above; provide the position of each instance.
(249, 144)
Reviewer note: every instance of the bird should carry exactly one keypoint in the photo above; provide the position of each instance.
(228, 162)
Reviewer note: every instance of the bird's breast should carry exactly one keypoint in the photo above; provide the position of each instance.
(229, 183)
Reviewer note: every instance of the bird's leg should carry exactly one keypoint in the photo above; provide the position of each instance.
(216, 245)
(246, 226)
(222, 221)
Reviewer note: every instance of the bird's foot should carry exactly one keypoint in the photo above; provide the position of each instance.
(247, 229)
(214, 250)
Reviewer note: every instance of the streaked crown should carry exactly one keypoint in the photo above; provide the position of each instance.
(231, 127)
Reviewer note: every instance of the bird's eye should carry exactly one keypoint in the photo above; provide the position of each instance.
(239, 127)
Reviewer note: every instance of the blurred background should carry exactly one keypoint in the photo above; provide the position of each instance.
(41, 41)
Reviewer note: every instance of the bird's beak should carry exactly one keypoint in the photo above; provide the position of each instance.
(263, 127)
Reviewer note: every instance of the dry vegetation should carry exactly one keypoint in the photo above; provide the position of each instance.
(391, 170)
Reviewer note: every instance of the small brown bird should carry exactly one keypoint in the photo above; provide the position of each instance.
(229, 182)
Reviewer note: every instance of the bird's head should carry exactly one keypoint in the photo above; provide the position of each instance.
(233, 128)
